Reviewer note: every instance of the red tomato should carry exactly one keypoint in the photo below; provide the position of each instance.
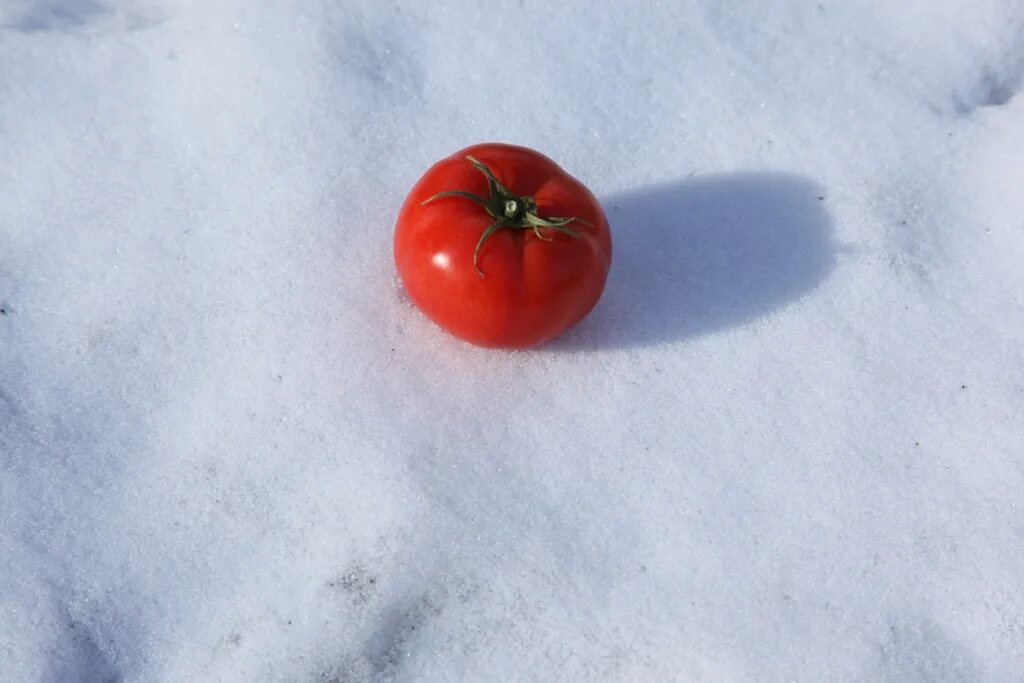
(501, 247)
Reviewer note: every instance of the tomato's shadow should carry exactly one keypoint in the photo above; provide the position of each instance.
(703, 254)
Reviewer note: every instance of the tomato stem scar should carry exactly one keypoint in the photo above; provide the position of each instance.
(509, 211)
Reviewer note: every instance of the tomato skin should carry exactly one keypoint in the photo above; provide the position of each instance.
(532, 289)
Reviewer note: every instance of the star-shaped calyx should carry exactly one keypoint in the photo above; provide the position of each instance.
(509, 211)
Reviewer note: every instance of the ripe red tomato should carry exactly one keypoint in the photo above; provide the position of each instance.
(501, 247)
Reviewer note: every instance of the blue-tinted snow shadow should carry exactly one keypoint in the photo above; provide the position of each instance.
(56, 15)
(704, 254)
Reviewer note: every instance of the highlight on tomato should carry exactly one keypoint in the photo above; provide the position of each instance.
(501, 247)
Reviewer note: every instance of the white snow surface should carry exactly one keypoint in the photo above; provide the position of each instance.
(788, 444)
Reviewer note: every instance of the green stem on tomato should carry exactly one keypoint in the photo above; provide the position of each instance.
(509, 211)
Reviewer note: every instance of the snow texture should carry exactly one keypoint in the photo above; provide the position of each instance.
(787, 445)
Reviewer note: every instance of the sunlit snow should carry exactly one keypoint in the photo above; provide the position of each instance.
(788, 444)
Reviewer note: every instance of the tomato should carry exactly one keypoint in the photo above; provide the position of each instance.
(501, 247)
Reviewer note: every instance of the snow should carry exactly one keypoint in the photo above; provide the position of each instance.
(787, 445)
